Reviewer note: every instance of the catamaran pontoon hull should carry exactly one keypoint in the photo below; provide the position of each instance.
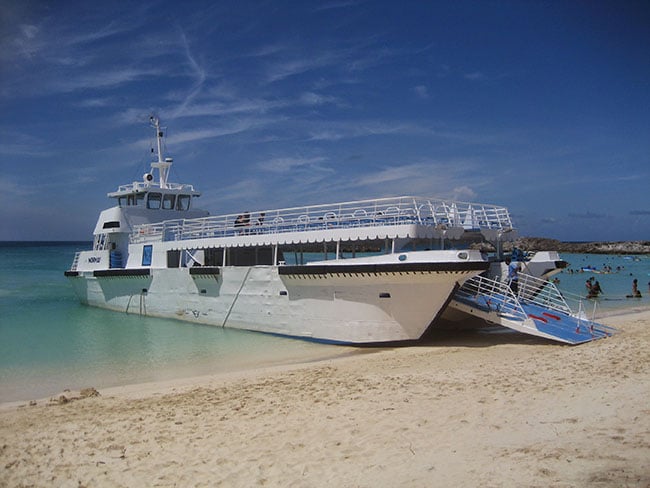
(363, 303)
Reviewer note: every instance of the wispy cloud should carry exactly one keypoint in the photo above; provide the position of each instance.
(95, 102)
(346, 130)
(287, 164)
(20, 144)
(201, 134)
(336, 131)
(197, 72)
(219, 108)
(183, 137)
(421, 91)
(339, 5)
(104, 79)
(311, 98)
(588, 216)
(287, 68)
(475, 76)
(446, 179)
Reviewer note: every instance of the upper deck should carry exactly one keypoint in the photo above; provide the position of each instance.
(362, 219)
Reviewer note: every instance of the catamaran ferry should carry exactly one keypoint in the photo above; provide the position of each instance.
(367, 271)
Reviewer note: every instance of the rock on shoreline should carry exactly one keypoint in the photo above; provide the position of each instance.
(544, 244)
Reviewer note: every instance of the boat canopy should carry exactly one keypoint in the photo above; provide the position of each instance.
(396, 217)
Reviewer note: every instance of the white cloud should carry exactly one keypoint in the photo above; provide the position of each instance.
(311, 98)
(285, 69)
(474, 76)
(463, 193)
(102, 79)
(200, 134)
(284, 165)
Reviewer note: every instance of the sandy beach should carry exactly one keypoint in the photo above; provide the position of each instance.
(464, 409)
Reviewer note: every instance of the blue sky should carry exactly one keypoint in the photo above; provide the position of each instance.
(543, 107)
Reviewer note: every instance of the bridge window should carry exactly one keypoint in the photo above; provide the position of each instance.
(168, 202)
(154, 200)
(183, 202)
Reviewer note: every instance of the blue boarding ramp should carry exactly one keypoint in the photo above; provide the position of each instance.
(538, 309)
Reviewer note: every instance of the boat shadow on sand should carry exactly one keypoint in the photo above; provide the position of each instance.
(480, 337)
(486, 336)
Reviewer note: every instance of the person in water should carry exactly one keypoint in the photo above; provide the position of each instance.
(635, 289)
(595, 290)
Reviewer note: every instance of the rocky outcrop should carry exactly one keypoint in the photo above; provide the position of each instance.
(543, 244)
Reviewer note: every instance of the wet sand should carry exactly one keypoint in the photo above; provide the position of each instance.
(463, 409)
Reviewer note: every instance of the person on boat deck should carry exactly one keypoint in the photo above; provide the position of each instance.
(260, 219)
(595, 290)
(513, 275)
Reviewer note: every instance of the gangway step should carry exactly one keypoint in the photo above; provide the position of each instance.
(568, 328)
(534, 319)
(538, 309)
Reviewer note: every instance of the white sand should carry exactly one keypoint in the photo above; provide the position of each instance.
(469, 410)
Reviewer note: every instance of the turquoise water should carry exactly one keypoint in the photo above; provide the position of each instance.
(616, 284)
(50, 342)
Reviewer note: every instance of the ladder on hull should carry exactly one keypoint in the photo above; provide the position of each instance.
(538, 309)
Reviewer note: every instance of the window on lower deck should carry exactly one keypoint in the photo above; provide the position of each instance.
(173, 259)
(147, 252)
(250, 256)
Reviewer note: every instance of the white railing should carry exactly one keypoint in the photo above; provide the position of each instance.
(363, 213)
(492, 294)
(146, 186)
(542, 293)
(498, 296)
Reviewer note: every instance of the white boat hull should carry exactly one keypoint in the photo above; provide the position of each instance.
(340, 304)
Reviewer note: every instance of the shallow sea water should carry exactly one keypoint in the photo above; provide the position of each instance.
(50, 342)
(616, 284)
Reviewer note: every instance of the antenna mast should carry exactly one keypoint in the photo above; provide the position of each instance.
(162, 165)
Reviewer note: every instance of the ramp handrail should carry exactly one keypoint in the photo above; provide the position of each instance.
(497, 296)
(543, 293)
(531, 290)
